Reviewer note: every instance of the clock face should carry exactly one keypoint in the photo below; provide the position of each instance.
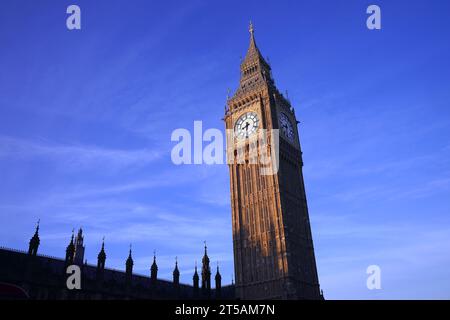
(246, 125)
(286, 127)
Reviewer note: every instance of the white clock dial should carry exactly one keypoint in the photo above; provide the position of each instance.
(286, 127)
(246, 125)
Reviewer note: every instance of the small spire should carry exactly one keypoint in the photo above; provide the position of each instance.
(154, 266)
(218, 276)
(129, 262)
(205, 247)
(252, 37)
(176, 265)
(102, 254)
(37, 225)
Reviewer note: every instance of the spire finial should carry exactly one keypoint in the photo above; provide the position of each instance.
(37, 225)
(130, 248)
(251, 29)
(205, 246)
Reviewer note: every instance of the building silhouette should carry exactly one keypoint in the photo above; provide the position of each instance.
(44, 277)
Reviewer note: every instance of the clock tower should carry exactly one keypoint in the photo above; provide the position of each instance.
(272, 242)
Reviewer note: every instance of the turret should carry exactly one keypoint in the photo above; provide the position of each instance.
(70, 250)
(176, 274)
(101, 260)
(195, 279)
(206, 274)
(34, 242)
(129, 268)
(154, 270)
(79, 248)
(218, 279)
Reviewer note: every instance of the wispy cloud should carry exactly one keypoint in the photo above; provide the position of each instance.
(76, 155)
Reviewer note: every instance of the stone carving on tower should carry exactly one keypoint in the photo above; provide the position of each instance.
(273, 247)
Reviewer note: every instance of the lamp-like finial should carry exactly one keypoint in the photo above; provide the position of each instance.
(250, 28)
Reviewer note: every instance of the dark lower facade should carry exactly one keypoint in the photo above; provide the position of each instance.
(44, 278)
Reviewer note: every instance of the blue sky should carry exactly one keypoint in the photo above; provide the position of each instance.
(86, 118)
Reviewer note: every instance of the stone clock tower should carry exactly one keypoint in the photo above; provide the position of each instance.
(273, 247)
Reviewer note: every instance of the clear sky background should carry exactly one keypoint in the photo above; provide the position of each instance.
(86, 118)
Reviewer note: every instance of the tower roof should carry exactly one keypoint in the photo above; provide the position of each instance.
(130, 259)
(195, 272)
(102, 254)
(154, 265)
(255, 71)
(253, 53)
(176, 271)
(205, 259)
(71, 247)
(36, 233)
(218, 276)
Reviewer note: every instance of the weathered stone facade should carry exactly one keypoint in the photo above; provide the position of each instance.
(273, 247)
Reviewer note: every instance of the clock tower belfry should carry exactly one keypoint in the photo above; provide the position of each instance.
(272, 241)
